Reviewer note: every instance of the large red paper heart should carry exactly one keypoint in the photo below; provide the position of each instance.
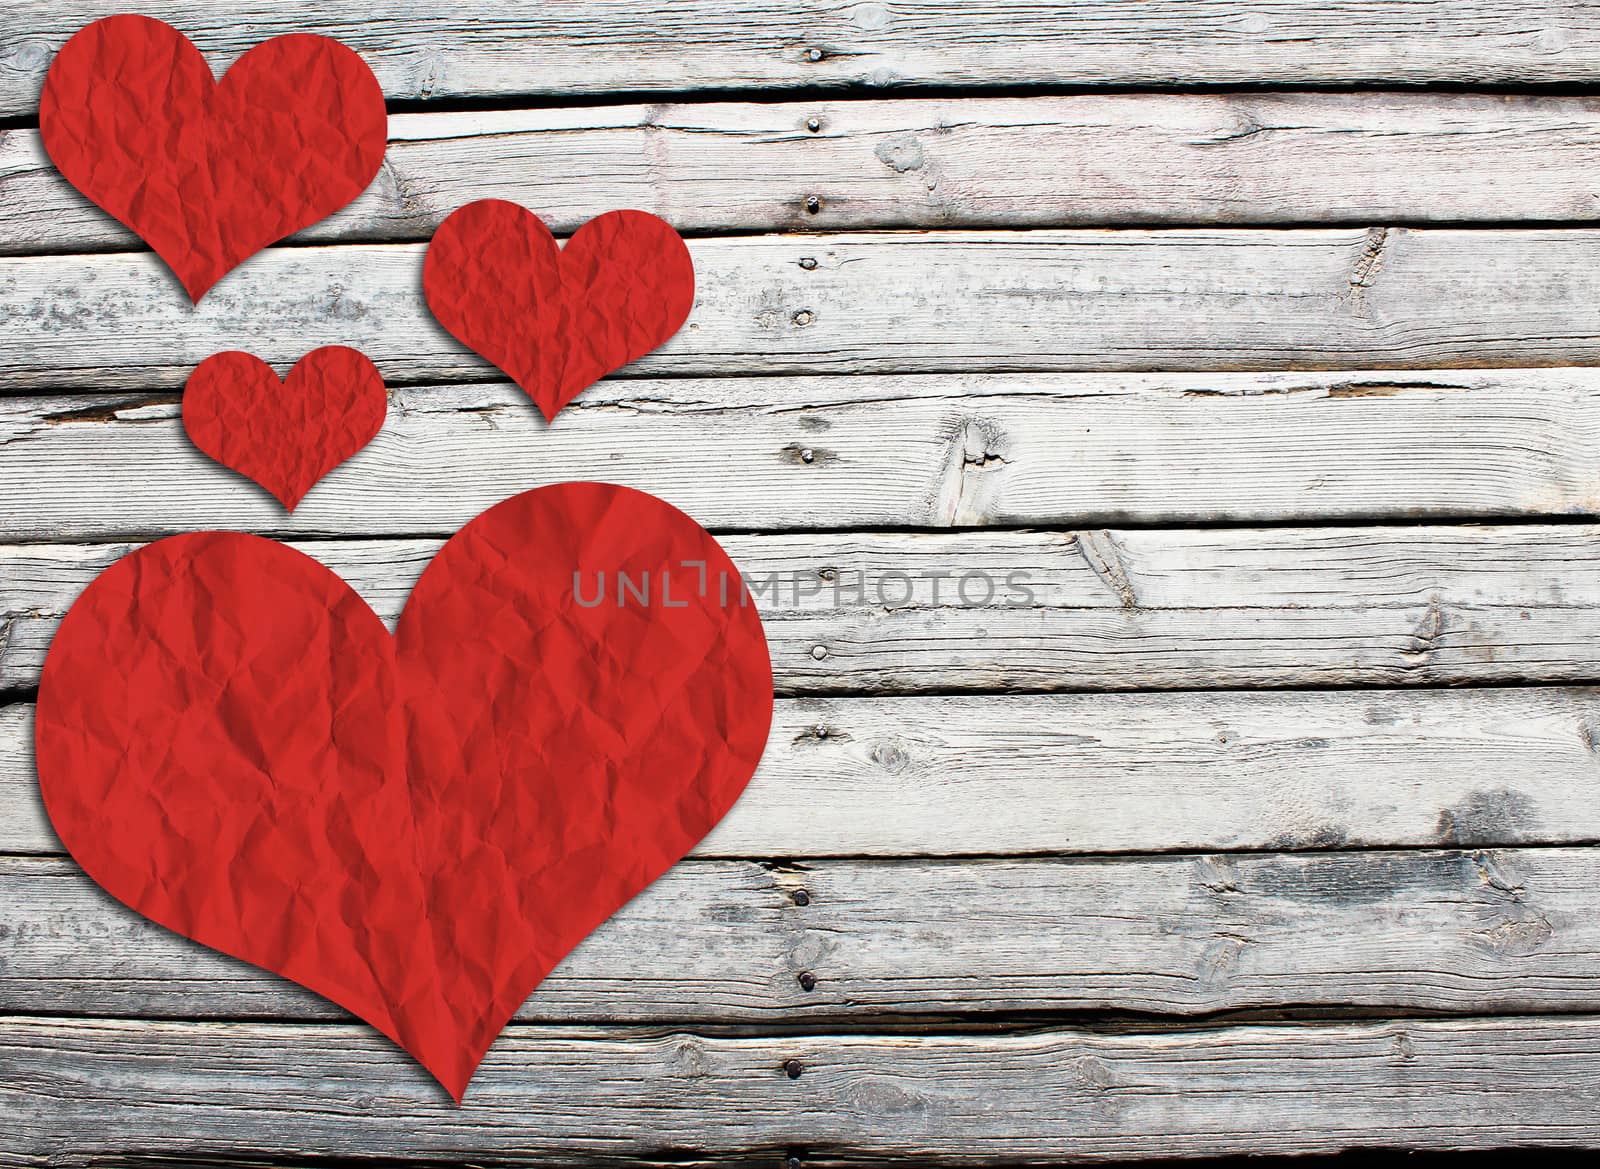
(208, 174)
(285, 435)
(417, 827)
(557, 319)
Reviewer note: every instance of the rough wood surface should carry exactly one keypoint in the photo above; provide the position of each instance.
(917, 451)
(80, 1092)
(1197, 299)
(1115, 160)
(937, 379)
(999, 775)
(425, 49)
(1092, 610)
(725, 941)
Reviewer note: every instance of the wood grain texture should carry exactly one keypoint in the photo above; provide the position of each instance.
(847, 452)
(1198, 299)
(424, 49)
(80, 1092)
(1091, 610)
(997, 775)
(938, 375)
(1086, 160)
(725, 941)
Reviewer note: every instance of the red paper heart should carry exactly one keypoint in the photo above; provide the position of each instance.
(208, 174)
(417, 827)
(285, 435)
(557, 319)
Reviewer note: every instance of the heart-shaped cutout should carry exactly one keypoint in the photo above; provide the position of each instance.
(417, 827)
(557, 319)
(210, 173)
(285, 435)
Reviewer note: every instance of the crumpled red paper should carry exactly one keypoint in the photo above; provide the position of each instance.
(557, 319)
(417, 827)
(208, 174)
(285, 435)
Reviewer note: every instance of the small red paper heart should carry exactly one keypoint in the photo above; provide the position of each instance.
(417, 827)
(284, 435)
(557, 319)
(208, 174)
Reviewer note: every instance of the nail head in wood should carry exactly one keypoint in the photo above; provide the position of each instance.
(792, 1068)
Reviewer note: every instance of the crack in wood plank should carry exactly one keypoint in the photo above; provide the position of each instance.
(1104, 557)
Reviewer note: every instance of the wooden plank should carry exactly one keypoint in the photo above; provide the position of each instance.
(998, 775)
(913, 451)
(423, 49)
(1198, 299)
(1090, 160)
(1094, 610)
(78, 1092)
(24, 827)
(1478, 932)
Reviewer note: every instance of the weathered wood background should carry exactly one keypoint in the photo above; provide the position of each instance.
(1263, 336)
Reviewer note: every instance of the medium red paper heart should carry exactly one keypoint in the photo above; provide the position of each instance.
(417, 827)
(557, 319)
(286, 435)
(208, 174)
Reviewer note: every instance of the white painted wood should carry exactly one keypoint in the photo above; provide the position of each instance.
(1197, 299)
(24, 827)
(996, 775)
(872, 791)
(1095, 610)
(81, 1092)
(724, 941)
(427, 49)
(925, 451)
(1112, 160)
